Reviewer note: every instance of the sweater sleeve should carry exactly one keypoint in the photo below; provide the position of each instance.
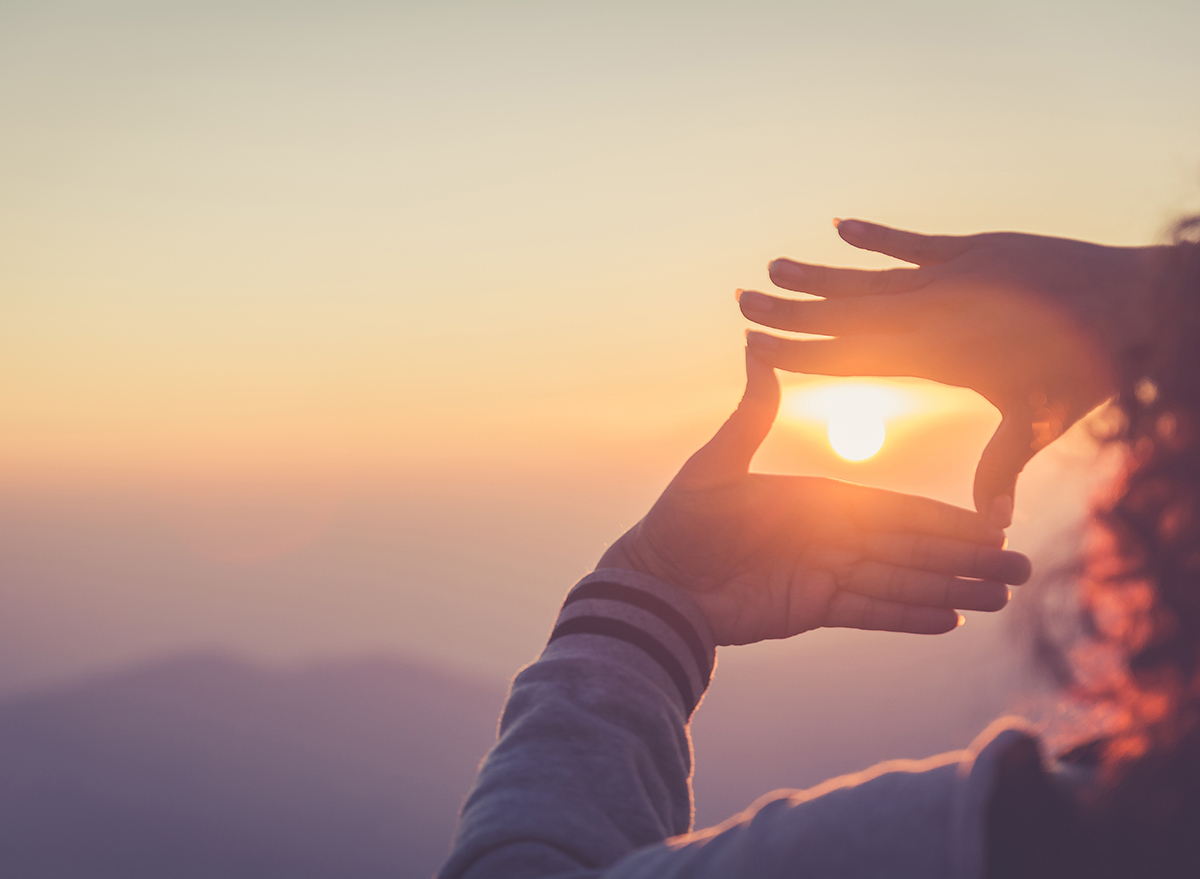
(593, 758)
(591, 775)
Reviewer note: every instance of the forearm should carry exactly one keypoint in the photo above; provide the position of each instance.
(593, 758)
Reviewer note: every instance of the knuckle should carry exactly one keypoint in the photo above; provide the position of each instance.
(871, 617)
(979, 560)
(817, 278)
(791, 311)
(919, 250)
(922, 552)
(843, 576)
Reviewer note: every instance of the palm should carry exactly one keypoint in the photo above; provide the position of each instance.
(771, 556)
(737, 557)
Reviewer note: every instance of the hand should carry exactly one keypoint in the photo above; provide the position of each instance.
(772, 556)
(1034, 324)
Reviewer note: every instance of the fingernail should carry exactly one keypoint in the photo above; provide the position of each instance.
(761, 341)
(752, 300)
(849, 227)
(961, 621)
(1001, 512)
(837, 221)
(792, 270)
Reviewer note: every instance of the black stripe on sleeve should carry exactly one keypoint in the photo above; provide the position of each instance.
(650, 604)
(640, 638)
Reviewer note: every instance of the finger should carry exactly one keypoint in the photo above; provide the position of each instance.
(941, 555)
(830, 317)
(729, 452)
(1002, 461)
(852, 611)
(834, 282)
(867, 354)
(910, 586)
(922, 250)
(877, 510)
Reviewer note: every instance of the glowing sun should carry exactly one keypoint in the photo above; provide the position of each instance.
(856, 436)
(855, 414)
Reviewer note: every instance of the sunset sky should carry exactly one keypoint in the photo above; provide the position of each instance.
(441, 294)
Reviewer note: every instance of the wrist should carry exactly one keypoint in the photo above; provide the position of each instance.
(1128, 323)
(631, 552)
(637, 621)
(623, 553)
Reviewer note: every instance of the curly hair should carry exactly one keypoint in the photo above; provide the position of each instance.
(1136, 652)
(1142, 584)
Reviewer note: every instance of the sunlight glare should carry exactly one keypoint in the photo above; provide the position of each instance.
(856, 436)
(855, 414)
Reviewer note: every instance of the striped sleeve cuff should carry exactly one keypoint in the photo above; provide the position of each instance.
(638, 620)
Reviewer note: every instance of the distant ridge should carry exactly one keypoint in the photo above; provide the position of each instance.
(209, 766)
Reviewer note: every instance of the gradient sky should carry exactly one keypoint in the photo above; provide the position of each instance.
(471, 266)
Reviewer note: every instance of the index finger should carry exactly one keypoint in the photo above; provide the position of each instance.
(912, 247)
(830, 317)
(833, 282)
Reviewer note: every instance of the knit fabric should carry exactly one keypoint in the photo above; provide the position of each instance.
(591, 773)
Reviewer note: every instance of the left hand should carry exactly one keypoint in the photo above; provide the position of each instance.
(772, 556)
(1037, 325)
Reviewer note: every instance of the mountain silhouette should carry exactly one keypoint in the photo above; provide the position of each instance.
(207, 766)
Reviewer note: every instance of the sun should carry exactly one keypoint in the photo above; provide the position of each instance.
(855, 414)
(856, 436)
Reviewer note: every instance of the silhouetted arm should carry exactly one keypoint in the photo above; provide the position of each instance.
(590, 776)
(593, 758)
(591, 772)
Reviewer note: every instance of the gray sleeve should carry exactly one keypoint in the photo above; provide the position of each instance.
(593, 758)
(904, 819)
(591, 775)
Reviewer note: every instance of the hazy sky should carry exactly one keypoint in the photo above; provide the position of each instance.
(470, 266)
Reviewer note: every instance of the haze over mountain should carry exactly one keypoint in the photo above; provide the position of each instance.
(207, 767)
(204, 766)
(334, 330)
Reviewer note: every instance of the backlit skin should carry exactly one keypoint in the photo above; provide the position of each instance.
(767, 556)
(1028, 321)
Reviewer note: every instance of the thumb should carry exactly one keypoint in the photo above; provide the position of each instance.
(728, 453)
(1003, 459)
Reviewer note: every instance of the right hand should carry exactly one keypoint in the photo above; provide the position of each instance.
(771, 556)
(1034, 324)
